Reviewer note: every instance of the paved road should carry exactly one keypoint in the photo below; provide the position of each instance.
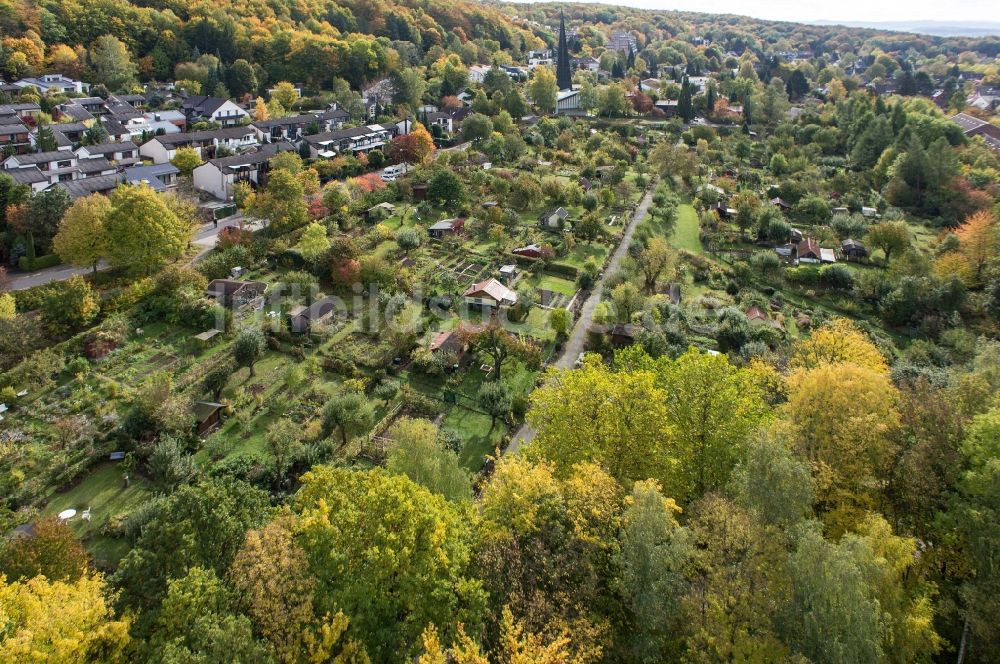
(578, 336)
(205, 237)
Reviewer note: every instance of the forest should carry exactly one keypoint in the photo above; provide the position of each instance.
(693, 356)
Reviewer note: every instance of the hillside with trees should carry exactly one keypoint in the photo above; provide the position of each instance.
(465, 333)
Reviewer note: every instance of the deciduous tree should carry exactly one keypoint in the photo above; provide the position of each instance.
(81, 239)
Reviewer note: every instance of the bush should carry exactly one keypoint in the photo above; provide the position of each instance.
(836, 277)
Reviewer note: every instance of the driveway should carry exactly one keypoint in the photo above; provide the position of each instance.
(574, 345)
(205, 237)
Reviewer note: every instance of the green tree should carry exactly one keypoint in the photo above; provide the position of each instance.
(714, 408)
(655, 260)
(284, 442)
(110, 63)
(142, 230)
(203, 525)
(615, 419)
(350, 412)
(197, 624)
(561, 321)
(391, 554)
(494, 397)
(542, 89)
(186, 160)
(51, 550)
(446, 188)
(313, 243)
(477, 128)
(408, 239)
(70, 305)
(81, 239)
(772, 483)
(892, 237)
(249, 347)
(418, 452)
(834, 616)
(281, 203)
(654, 552)
(58, 621)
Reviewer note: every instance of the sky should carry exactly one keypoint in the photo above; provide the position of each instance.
(837, 10)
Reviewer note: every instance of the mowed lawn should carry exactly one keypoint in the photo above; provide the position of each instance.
(686, 230)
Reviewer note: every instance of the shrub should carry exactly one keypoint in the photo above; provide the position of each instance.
(38, 263)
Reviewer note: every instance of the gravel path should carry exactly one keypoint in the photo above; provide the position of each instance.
(574, 345)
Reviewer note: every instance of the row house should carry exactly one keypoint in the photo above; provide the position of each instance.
(22, 110)
(40, 170)
(352, 141)
(219, 177)
(120, 154)
(214, 109)
(162, 149)
(15, 138)
(294, 127)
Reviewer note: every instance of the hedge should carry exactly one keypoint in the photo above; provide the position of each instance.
(562, 270)
(40, 262)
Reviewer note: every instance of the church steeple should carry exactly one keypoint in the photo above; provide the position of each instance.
(564, 75)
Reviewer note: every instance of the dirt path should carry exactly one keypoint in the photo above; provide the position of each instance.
(577, 337)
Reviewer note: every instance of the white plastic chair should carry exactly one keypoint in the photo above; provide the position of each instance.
(86, 514)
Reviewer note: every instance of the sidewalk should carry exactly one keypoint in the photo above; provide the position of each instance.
(205, 237)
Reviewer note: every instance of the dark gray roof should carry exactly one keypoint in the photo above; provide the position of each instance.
(88, 186)
(108, 148)
(27, 175)
(202, 104)
(259, 156)
(208, 134)
(95, 165)
(44, 157)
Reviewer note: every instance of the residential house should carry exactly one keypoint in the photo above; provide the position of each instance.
(757, 316)
(622, 42)
(477, 73)
(220, 176)
(441, 119)
(446, 228)
(30, 176)
(161, 149)
(585, 64)
(332, 118)
(57, 165)
(554, 219)
(352, 141)
(973, 126)
(55, 83)
(23, 110)
(490, 293)
(99, 184)
(287, 129)
(302, 318)
(214, 109)
(649, 84)
(120, 154)
(161, 177)
(446, 341)
(669, 107)
(14, 137)
(808, 250)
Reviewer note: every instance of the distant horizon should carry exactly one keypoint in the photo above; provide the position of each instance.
(974, 13)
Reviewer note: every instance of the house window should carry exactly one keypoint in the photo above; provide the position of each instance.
(64, 164)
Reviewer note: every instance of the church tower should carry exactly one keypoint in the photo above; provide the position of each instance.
(564, 75)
